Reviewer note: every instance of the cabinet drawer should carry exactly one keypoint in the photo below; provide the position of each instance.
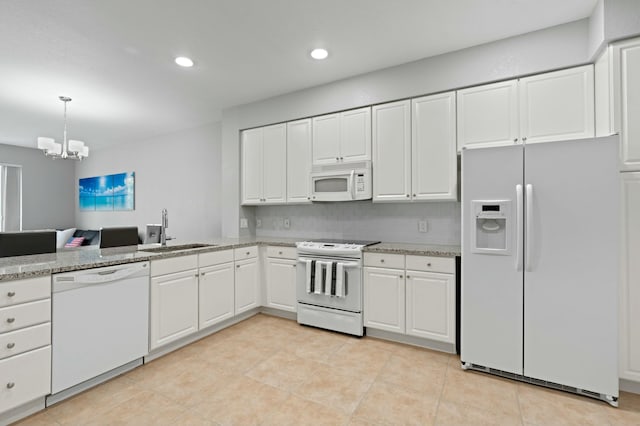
(245, 252)
(173, 264)
(24, 315)
(215, 258)
(19, 341)
(24, 378)
(282, 252)
(431, 264)
(384, 260)
(20, 291)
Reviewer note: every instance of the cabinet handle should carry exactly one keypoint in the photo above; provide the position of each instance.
(10, 320)
(11, 293)
(10, 385)
(337, 158)
(381, 260)
(202, 274)
(524, 139)
(293, 266)
(341, 158)
(308, 198)
(414, 195)
(11, 345)
(408, 277)
(408, 195)
(196, 275)
(400, 276)
(280, 252)
(237, 266)
(429, 264)
(248, 253)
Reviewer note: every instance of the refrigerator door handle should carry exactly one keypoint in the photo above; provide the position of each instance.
(529, 224)
(519, 228)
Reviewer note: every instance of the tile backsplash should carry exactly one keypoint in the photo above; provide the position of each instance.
(393, 222)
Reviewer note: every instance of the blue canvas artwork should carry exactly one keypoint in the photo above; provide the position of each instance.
(107, 193)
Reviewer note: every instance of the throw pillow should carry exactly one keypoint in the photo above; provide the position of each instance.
(74, 242)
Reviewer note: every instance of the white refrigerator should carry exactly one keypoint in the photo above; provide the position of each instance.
(539, 299)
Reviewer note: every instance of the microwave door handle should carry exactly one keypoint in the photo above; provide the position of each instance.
(352, 184)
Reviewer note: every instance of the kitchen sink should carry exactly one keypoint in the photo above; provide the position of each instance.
(165, 249)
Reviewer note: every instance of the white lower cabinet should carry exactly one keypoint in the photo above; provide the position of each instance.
(420, 301)
(630, 278)
(174, 306)
(247, 285)
(216, 294)
(431, 305)
(384, 299)
(25, 341)
(281, 284)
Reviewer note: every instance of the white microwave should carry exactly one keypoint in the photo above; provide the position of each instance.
(341, 182)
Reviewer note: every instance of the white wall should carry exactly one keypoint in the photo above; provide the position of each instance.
(47, 187)
(179, 171)
(552, 48)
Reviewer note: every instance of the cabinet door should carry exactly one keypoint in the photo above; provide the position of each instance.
(431, 306)
(299, 161)
(626, 89)
(274, 165)
(557, 105)
(384, 299)
(326, 139)
(216, 294)
(252, 166)
(392, 151)
(281, 284)
(247, 290)
(174, 307)
(630, 278)
(488, 115)
(355, 135)
(434, 159)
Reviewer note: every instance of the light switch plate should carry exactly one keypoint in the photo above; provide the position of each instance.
(286, 223)
(422, 225)
(243, 222)
(258, 223)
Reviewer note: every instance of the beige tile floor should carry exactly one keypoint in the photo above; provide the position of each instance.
(272, 371)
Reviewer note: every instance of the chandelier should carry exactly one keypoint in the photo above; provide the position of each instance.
(68, 149)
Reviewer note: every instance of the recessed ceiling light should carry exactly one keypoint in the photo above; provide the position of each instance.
(319, 54)
(183, 61)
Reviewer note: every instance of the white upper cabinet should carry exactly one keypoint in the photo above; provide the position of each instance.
(252, 166)
(392, 151)
(488, 115)
(342, 137)
(264, 162)
(433, 145)
(553, 106)
(557, 105)
(298, 161)
(625, 57)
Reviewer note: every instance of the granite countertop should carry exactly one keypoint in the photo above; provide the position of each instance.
(20, 267)
(415, 249)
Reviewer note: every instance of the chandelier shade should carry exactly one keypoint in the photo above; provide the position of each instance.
(68, 149)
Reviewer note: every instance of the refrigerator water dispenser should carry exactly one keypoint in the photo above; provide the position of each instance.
(491, 227)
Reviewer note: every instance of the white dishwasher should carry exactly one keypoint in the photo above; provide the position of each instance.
(100, 321)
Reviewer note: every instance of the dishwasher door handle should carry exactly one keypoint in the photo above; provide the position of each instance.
(97, 277)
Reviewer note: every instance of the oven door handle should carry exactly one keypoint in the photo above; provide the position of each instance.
(344, 264)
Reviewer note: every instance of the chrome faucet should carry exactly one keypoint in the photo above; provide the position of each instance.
(163, 228)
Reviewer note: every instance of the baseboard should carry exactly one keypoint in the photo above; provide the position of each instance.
(629, 386)
(411, 340)
(22, 411)
(279, 313)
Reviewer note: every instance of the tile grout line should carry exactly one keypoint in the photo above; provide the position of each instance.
(444, 383)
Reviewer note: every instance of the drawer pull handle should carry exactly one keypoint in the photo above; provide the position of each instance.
(10, 320)
(400, 276)
(381, 260)
(429, 264)
(10, 385)
(408, 277)
(280, 253)
(11, 293)
(237, 266)
(248, 253)
(11, 345)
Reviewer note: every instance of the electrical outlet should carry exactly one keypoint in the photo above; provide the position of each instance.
(422, 225)
(243, 222)
(286, 223)
(258, 223)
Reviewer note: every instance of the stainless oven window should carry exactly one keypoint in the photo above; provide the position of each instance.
(330, 185)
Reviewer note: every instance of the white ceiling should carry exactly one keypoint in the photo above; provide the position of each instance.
(115, 57)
